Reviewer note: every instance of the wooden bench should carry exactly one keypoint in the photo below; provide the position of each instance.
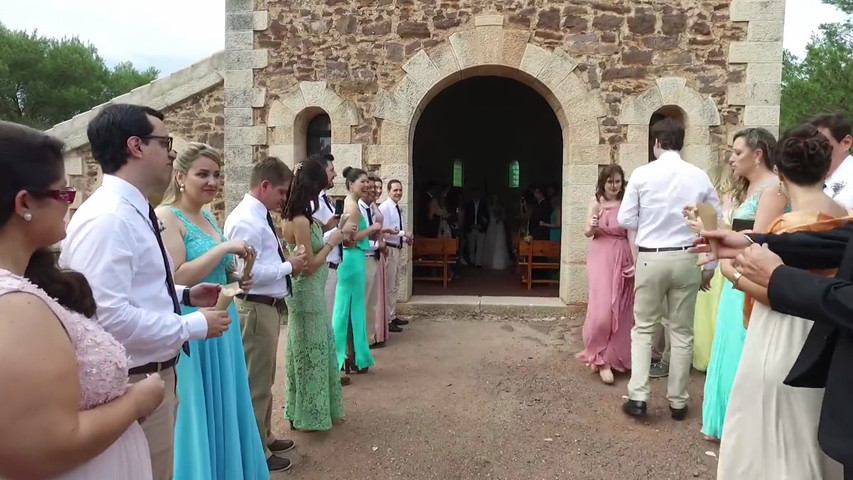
(435, 253)
(538, 255)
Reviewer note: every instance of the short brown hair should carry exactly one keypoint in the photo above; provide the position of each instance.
(606, 173)
(272, 170)
(669, 133)
(837, 124)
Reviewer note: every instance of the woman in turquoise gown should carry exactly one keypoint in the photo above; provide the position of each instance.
(216, 435)
(752, 161)
(349, 315)
(312, 397)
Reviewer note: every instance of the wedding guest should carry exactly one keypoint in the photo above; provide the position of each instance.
(262, 309)
(474, 225)
(393, 214)
(73, 417)
(381, 322)
(610, 273)
(837, 129)
(215, 432)
(366, 205)
(313, 389)
(114, 239)
(652, 206)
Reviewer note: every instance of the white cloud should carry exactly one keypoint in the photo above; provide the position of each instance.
(802, 19)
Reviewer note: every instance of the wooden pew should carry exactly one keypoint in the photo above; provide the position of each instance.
(435, 253)
(538, 255)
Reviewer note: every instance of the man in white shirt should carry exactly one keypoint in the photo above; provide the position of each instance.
(664, 270)
(394, 243)
(839, 180)
(366, 206)
(114, 240)
(262, 310)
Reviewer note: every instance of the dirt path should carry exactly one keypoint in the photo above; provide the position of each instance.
(454, 399)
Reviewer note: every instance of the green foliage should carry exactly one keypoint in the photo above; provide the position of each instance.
(44, 81)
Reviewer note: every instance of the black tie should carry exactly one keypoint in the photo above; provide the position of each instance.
(399, 215)
(280, 253)
(332, 209)
(170, 282)
(369, 216)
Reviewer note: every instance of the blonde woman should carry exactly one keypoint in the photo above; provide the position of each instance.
(216, 436)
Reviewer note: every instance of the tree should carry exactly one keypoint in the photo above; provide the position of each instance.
(45, 81)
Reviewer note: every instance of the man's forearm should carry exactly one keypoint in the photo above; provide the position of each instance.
(808, 250)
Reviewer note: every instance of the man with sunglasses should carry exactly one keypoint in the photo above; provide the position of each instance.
(114, 240)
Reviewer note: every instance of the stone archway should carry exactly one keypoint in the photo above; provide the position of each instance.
(491, 49)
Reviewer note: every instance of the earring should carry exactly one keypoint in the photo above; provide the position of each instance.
(181, 189)
(781, 190)
(28, 217)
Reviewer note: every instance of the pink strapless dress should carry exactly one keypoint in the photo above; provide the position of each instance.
(102, 368)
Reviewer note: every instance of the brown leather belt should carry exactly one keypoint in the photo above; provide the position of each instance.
(262, 299)
(153, 367)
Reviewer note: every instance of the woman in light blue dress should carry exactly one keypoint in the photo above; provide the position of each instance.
(758, 202)
(216, 435)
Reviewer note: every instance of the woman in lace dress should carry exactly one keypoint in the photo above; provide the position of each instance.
(68, 412)
(312, 397)
(216, 435)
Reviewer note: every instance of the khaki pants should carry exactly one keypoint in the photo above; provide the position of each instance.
(666, 285)
(392, 264)
(371, 298)
(260, 325)
(660, 347)
(329, 294)
(159, 427)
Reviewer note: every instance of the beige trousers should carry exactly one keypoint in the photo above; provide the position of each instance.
(665, 287)
(392, 264)
(260, 326)
(371, 298)
(331, 285)
(159, 427)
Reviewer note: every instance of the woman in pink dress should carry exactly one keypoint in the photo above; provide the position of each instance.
(610, 273)
(68, 412)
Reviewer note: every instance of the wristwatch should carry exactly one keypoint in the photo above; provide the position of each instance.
(185, 299)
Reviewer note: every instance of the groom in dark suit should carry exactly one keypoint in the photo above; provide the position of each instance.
(541, 214)
(827, 356)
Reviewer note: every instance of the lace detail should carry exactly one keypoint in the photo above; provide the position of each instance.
(197, 242)
(747, 209)
(101, 360)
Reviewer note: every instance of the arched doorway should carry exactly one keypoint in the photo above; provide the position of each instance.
(490, 137)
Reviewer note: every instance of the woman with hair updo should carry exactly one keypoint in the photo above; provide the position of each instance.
(216, 435)
(68, 411)
(349, 315)
(771, 428)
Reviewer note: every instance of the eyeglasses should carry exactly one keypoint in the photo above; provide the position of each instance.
(66, 195)
(165, 141)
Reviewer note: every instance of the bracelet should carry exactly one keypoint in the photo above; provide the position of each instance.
(736, 281)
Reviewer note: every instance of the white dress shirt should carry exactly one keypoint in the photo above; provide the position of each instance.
(655, 197)
(112, 242)
(839, 185)
(364, 208)
(248, 222)
(393, 218)
(325, 211)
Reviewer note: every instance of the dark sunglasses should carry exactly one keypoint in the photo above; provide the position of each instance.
(66, 195)
(165, 141)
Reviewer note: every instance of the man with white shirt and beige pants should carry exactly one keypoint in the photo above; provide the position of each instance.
(394, 242)
(114, 240)
(839, 180)
(666, 277)
(263, 310)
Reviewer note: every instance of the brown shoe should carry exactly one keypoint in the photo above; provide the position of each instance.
(345, 381)
(278, 464)
(282, 445)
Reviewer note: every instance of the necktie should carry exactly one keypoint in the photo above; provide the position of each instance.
(369, 216)
(280, 253)
(170, 282)
(332, 209)
(400, 216)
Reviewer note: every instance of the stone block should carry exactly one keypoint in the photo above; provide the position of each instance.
(464, 46)
(239, 40)
(238, 117)
(260, 20)
(239, 5)
(580, 174)
(514, 45)
(575, 212)
(410, 91)
(638, 133)
(400, 171)
(754, 94)
(318, 94)
(281, 135)
(279, 115)
(444, 59)
(246, 135)
(489, 20)
(390, 107)
(343, 118)
(559, 65)
(394, 134)
(764, 73)
(347, 155)
(584, 133)
(294, 101)
(750, 10)
(755, 52)
(588, 155)
(234, 194)
(765, 31)
(697, 135)
(703, 156)
(245, 98)
(570, 88)
(284, 153)
(534, 59)
(579, 194)
(761, 115)
(638, 111)
(585, 107)
(248, 59)
(239, 78)
(237, 173)
(388, 154)
(490, 45)
(239, 21)
(422, 70)
(633, 155)
(74, 166)
(708, 114)
(670, 89)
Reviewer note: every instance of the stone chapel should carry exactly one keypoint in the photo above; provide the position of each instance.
(535, 90)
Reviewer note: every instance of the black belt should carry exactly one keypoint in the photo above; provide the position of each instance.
(262, 299)
(400, 246)
(373, 254)
(664, 249)
(153, 367)
(333, 266)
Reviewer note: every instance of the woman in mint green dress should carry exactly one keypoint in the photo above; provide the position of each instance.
(348, 317)
(760, 202)
(312, 397)
(216, 435)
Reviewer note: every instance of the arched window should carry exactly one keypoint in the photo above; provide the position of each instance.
(458, 173)
(667, 111)
(514, 174)
(319, 135)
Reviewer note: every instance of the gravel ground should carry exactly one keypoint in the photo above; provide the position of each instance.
(499, 399)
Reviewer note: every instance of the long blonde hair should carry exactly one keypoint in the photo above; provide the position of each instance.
(183, 162)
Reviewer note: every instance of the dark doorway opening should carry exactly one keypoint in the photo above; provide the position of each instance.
(499, 137)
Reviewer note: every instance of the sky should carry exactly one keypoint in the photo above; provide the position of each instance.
(174, 34)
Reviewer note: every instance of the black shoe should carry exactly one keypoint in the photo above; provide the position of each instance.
(378, 345)
(345, 381)
(399, 322)
(281, 445)
(678, 414)
(394, 328)
(278, 464)
(634, 408)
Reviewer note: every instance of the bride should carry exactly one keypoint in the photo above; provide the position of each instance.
(495, 252)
